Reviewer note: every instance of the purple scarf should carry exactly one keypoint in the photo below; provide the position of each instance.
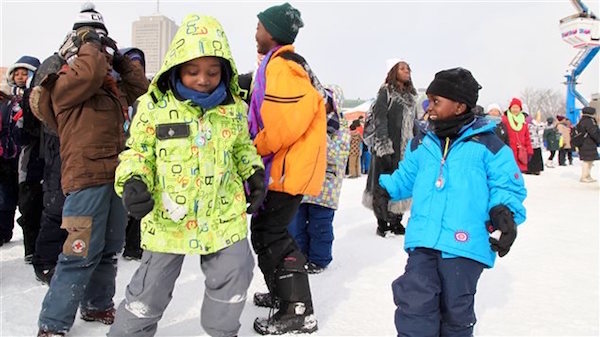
(255, 123)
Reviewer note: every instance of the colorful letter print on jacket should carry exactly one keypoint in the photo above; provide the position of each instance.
(194, 162)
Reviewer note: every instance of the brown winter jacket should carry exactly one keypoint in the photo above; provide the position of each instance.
(564, 127)
(90, 118)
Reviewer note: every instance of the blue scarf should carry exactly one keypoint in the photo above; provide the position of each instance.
(204, 100)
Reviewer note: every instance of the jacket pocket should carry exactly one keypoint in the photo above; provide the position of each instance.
(100, 151)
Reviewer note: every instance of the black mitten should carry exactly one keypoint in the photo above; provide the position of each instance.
(256, 184)
(501, 218)
(136, 198)
(380, 202)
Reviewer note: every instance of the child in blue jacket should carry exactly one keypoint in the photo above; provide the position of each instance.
(464, 184)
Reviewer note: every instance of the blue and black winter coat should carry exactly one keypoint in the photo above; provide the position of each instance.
(452, 197)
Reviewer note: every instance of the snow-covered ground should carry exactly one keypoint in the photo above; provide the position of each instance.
(546, 286)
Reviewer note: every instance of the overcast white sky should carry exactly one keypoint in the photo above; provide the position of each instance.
(508, 45)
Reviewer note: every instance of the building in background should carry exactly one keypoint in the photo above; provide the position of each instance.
(153, 34)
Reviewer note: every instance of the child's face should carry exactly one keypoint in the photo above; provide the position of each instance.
(20, 77)
(495, 112)
(441, 108)
(202, 74)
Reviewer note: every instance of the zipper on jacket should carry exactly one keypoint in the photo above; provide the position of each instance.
(283, 166)
(439, 182)
(312, 175)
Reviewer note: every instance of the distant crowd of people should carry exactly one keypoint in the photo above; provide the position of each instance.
(101, 161)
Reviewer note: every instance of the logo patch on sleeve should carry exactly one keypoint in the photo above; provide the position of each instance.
(461, 236)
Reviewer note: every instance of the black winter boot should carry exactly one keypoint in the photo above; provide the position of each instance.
(396, 225)
(44, 275)
(382, 228)
(398, 229)
(293, 317)
(291, 287)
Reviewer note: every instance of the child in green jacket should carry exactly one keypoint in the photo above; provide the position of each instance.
(183, 174)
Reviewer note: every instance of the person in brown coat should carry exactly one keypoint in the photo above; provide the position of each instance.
(90, 111)
(355, 149)
(564, 128)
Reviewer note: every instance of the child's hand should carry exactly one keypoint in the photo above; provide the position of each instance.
(501, 219)
(136, 198)
(256, 183)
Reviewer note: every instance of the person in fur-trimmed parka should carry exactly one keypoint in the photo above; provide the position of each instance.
(588, 152)
(394, 113)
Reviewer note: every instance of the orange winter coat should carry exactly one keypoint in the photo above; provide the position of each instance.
(295, 128)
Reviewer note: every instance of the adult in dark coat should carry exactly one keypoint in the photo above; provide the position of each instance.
(588, 152)
(394, 113)
(51, 237)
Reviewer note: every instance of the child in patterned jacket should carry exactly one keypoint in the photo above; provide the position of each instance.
(189, 153)
(312, 227)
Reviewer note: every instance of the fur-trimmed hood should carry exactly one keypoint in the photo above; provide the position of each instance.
(28, 62)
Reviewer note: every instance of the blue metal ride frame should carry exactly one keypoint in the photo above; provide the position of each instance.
(572, 93)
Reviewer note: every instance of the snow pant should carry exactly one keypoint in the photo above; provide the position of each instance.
(30, 207)
(9, 193)
(586, 169)
(279, 258)
(354, 166)
(132, 235)
(87, 267)
(228, 275)
(435, 296)
(563, 154)
(312, 229)
(552, 153)
(51, 237)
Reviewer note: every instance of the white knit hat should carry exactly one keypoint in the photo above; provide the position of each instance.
(89, 17)
(492, 107)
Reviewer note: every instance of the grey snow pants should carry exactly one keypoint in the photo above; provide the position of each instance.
(228, 275)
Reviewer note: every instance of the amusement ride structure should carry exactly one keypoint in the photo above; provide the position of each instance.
(582, 31)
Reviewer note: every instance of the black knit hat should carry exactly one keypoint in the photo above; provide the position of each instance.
(588, 110)
(88, 17)
(282, 22)
(457, 84)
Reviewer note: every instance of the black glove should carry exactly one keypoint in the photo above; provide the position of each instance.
(256, 183)
(380, 202)
(387, 163)
(501, 218)
(111, 47)
(85, 35)
(136, 198)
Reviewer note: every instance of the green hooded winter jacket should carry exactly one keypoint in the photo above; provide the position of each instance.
(193, 161)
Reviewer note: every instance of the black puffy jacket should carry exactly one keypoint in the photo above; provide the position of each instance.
(588, 151)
